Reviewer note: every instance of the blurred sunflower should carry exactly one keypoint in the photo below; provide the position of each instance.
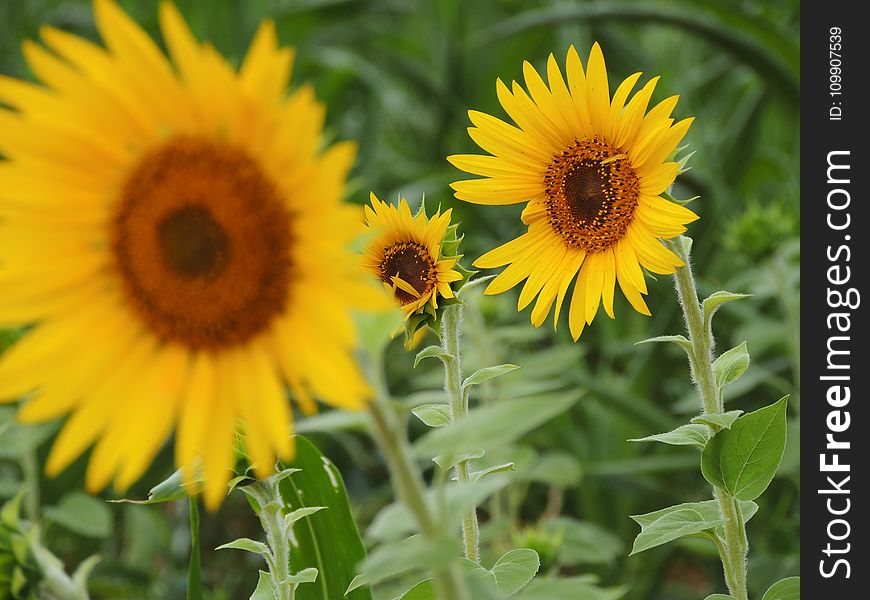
(407, 254)
(178, 239)
(592, 170)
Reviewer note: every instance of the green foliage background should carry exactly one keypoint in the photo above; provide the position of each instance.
(398, 77)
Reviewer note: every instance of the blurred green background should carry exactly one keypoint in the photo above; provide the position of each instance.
(398, 77)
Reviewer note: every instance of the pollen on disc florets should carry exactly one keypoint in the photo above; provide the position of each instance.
(412, 263)
(591, 194)
(202, 241)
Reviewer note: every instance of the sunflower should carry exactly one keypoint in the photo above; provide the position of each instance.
(176, 238)
(592, 169)
(407, 255)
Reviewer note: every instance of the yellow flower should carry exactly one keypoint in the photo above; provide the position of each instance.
(592, 169)
(179, 241)
(406, 254)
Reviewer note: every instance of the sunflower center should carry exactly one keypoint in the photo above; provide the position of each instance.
(591, 195)
(412, 263)
(202, 241)
(193, 243)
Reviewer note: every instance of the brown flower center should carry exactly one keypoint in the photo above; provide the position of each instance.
(202, 241)
(413, 264)
(591, 194)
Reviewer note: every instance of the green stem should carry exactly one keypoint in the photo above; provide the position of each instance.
(409, 485)
(194, 567)
(450, 321)
(30, 472)
(268, 497)
(735, 546)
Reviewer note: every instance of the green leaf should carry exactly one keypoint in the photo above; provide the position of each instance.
(248, 545)
(82, 514)
(332, 421)
(448, 461)
(567, 588)
(308, 575)
(82, 573)
(743, 460)
(301, 513)
(784, 589)
(425, 590)
(675, 522)
(487, 373)
(719, 597)
(502, 468)
(328, 540)
(265, 588)
(493, 426)
(557, 469)
(693, 434)
(515, 569)
(715, 300)
(679, 340)
(470, 284)
(718, 420)
(170, 489)
(395, 520)
(194, 565)
(376, 329)
(709, 509)
(414, 553)
(18, 439)
(731, 365)
(584, 542)
(433, 415)
(10, 512)
(432, 352)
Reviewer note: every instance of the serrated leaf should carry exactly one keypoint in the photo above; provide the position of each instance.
(502, 468)
(718, 420)
(487, 373)
(493, 426)
(693, 434)
(433, 415)
(82, 514)
(679, 340)
(731, 365)
(784, 589)
(432, 352)
(679, 521)
(715, 301)
(248, 545)
(743, 460)
(265, 588)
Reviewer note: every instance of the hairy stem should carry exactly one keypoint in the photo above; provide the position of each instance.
(450, 322)
(268, 497)
(735, 546)
(410, 488)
